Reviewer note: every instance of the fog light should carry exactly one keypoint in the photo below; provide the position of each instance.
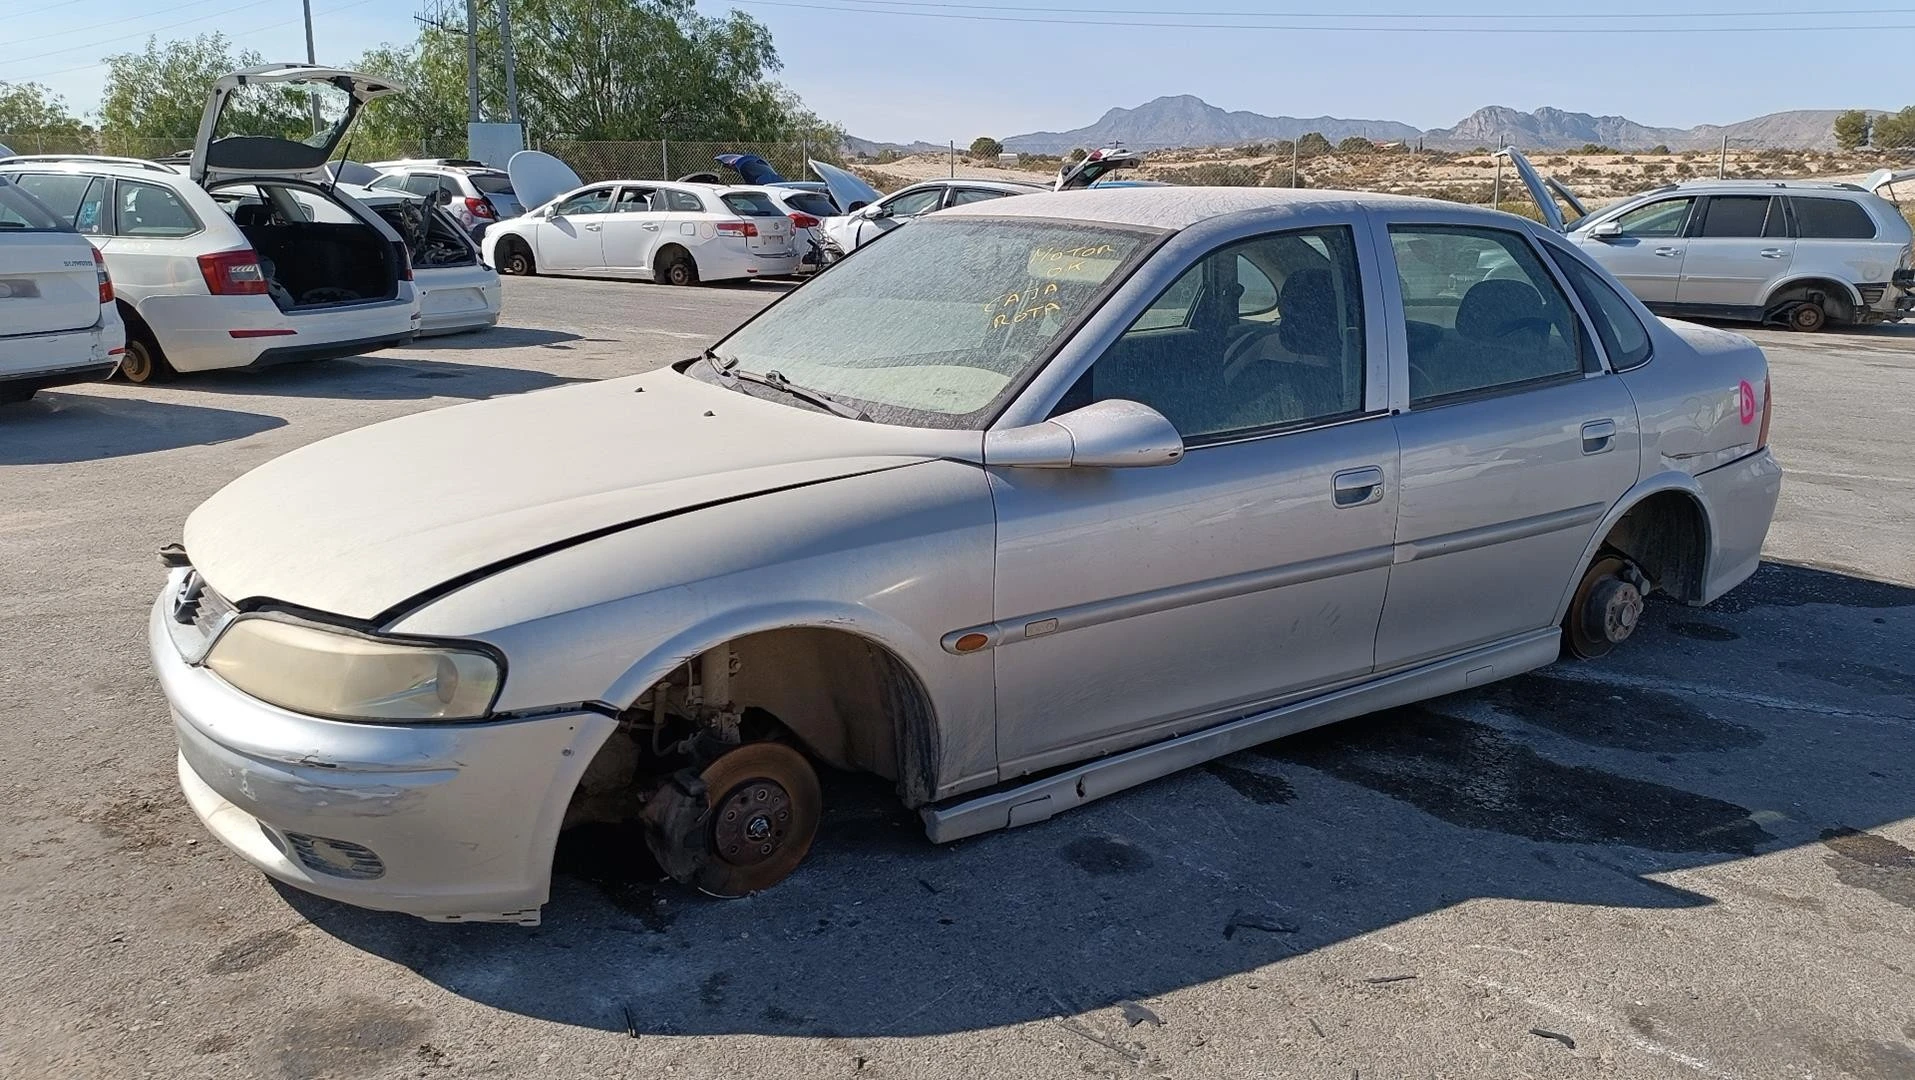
(339, 858)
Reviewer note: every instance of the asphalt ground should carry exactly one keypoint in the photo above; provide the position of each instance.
(1693, 859)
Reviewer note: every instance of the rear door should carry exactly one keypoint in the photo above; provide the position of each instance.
(48, 279)
(1739, 246)
(633, 226)
(1646, 253)
(1515, 442)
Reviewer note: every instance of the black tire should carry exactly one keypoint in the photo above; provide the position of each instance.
(675, 267)
(516, 259)
(144, 361)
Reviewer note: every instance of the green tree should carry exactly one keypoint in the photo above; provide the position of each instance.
(985, 147)
(427, 118)
(32, 108)
(1896, 129)
(1355, 144)
(153, 98)
(1313, 144)
(1851, 129)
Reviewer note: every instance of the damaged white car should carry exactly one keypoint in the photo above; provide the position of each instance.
(1067, 493)
(200, 288)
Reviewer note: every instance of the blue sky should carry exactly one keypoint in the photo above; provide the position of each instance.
(888, 74)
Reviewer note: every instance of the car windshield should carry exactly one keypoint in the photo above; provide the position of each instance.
(937, 324)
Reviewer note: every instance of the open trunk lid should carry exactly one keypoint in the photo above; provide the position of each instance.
(49, 280)
(1544, 189)
(1098, 163)
(847, 190)
(232, 144)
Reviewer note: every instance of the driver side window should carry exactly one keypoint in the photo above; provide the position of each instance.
(914, 203)
(586, 202)
(1259, 335)
(1665, 218)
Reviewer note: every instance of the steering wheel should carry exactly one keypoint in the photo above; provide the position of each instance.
(1239, 352)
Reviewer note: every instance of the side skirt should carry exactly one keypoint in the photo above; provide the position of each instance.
(1048, 796)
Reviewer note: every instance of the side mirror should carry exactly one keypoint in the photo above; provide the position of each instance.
(442, 197)
(1106, 435)
(877, 213)
(1608, 230)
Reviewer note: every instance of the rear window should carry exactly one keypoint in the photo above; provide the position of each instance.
(1832, 219)
(492, 183)
(21, 212)
(806, 202)
(751, 204)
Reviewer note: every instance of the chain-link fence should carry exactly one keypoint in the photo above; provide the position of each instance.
(668, 159)
(93, 142)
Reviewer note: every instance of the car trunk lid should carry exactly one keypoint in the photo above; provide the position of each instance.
(1545, 190)
(847, 190)
(231, 144)
(771, 232)
(48, 283)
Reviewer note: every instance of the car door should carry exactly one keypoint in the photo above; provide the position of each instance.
(631, 228)
(1515, 441)
(1142, 602)
(1739, 246)
(1646, 249)
(572, 236)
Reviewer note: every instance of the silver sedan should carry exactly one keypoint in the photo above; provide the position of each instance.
(1027, 504)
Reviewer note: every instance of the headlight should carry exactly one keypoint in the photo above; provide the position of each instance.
(323, 673)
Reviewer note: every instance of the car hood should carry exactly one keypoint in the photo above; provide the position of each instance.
(369, 523)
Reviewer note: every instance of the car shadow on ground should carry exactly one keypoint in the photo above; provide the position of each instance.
(496, 337)
(387, 378)
(56, 428)
(1574, 785)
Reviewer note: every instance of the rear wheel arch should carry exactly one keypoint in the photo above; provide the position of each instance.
(145, 360)
(669, 255)
(1846, 300)
(1666, 535)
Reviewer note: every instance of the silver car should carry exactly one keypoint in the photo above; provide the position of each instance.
(1802, 254)
(1071, 491)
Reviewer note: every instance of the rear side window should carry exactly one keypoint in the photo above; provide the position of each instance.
(77, 200)
(751, 204)
(1623, 336)
(21, 212)
(1483, 313)
(1743, 216)
(1831, 219)
(145, 209)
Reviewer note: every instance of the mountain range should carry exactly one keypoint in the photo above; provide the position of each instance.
(1187, 121)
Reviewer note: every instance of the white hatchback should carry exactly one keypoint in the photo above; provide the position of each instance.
(270, 283)
(57, 322)
(677, 233)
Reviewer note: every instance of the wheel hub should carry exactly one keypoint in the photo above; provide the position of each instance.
(1615, 609)
(750, 823)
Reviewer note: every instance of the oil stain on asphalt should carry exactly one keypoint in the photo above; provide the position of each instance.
(1864, 860)
(1472, 775)
(1102, 856)
(1263, 789)
(1619, 717)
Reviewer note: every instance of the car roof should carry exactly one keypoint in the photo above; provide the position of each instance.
(1831, 186)
(1181, 207)
(1018, 186)
(140, 168)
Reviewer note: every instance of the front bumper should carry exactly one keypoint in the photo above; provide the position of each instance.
(451, 822)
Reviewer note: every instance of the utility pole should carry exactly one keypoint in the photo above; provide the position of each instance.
(511, 62)
(1496, 187)
(1293, 164)
(471, 61)
(310, 59)
(1722, 170)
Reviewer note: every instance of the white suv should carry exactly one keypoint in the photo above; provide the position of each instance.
(297, 271)
(57, 321)
(473, 192)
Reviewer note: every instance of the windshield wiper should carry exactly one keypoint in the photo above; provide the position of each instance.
(718, 363)
(778, 382)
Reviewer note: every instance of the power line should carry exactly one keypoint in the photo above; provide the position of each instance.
(148, 32)
(235, 36)
(174, 9)
(1321, 28)
(1405, 16)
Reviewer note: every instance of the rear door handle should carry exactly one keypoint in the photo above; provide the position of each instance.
(593, 228)
(1668, 253)
(1773, 253)
(649, 226)
(1357, 487)
(1599, 436)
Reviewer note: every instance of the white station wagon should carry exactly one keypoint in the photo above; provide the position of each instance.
(1069, 492)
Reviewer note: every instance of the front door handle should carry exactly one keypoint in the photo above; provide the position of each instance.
(1668, 253)
(1357, 487)
(1599, 436)
(593, 228)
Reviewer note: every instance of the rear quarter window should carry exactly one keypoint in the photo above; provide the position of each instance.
(1831, 219)
(751, 204)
